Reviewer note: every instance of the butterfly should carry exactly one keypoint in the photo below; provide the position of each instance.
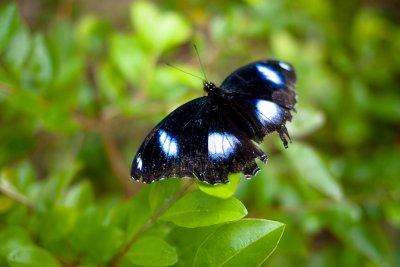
(215, 135)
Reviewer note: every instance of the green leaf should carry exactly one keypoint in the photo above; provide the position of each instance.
(128, 56)
(8, 18)
(159, 31)
(52, 225)
(79, 196)
(306, 121)
(197, 209)
(162, 191)
(103, 244)
(32, 257)
(223, 190)
(312, 170)
(11, 238)
(152, 251)
(187, 247)
(41, 63)
(18, 49)
(247, 242)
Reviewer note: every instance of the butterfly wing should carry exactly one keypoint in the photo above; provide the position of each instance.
(263, 92)
(270, 80)
(198, 140)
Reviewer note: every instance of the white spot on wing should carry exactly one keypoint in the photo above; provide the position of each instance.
(139, 163)
(268, 111)
(285, 66)
(168, 144)
(221, 145)
(270, 74)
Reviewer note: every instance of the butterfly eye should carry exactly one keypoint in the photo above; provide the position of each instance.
(270, 75)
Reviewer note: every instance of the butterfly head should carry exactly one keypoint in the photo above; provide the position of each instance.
(209, 87)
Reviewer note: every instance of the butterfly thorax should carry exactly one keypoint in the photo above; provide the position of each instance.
(209, 87)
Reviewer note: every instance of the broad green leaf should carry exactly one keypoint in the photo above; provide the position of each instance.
(32, 257)
(162, 191)
(11, 238)
(247, 242)
(129, 57)
(159, 31)
(197, 209)
(152, 251)
(223, 190)
(187, 247)
(312, 170)
(52, 225)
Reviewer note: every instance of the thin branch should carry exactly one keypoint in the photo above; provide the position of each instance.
(7, 189)
(117, 163)
(149, 223)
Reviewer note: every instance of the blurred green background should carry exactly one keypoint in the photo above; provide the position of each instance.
(83, 82)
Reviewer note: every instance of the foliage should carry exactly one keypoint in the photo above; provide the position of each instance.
(78, 94)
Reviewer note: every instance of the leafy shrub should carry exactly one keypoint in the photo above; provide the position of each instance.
(78, 97)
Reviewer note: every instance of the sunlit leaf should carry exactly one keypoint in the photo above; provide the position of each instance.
(258, 239)
(197, 209)
(223, 190)
(32, 257)
(167, 29)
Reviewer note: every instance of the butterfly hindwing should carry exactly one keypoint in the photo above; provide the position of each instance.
(267, 79)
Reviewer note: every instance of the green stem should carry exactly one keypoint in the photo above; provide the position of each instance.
(149, 223)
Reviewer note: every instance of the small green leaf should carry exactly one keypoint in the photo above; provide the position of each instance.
(8, 17)
(244, 243)
(223, 190)
(32, 257)
(18, 49)
(79, 196)
(198, 209)
(312, 170)
(167, 29)
(152, 251)
(41, 62)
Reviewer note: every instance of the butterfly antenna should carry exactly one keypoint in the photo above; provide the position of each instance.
(201, 63)
(191, 74)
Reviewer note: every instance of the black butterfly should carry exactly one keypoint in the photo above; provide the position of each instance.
(211, 136)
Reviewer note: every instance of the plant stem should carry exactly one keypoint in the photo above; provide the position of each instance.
(7, 189)
(149, 223)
